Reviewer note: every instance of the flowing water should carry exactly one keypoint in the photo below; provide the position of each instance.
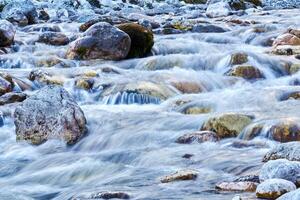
(130, 144)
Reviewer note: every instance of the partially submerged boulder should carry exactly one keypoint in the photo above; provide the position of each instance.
(183, 175)
(12, 97)
(283, 130)
(247, 72)
(281, 169)
(7, 33)
(274, 188)
(53, 38)
(200, 137)
(227, 125)
(51, 113)
(238, 58)
(100, 41)
(289, 151)
(141, 39)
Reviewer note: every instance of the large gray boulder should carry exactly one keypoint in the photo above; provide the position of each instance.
(281, 169)
(51, 113)
(101, 41)
(7, 33)
(289, 151)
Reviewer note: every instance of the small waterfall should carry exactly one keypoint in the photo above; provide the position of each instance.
(130, 98)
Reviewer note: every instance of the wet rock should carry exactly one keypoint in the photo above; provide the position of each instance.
(183, 175)
(200, 137)
(281, 169)
(5, 86)
(101, 41)
(49, 61)
(44, 78)
(12, 98)
(274, 188)
(289, 151)
(247, 72)
(227, 125)
(7, 33)
(281, 131)
(187, 156)
(196, 110)
(295, 68)
(218, 9)
(286, 39)
(53, 38)
(291, 95)
(287, 50)
(43, 15)
(21, 12)
(51, 113)
(109, 19)
(141, 39)
(245, 186)
(210, 28)
(238, 58)
(187, 87)
(110, 195)
(84, 83)
(291, 195)
(95, 3)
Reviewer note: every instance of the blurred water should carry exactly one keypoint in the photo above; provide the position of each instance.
(131, 137)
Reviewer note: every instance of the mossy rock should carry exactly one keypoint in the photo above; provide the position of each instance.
(238, 58)
(237, 5)
(247, 72)
(142, 39)
(295, 68)
(227, 125)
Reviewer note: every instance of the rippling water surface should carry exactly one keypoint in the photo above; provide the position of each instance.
(131, 137)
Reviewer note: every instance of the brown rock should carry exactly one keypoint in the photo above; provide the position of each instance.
(183, 175)
(200, 137)
(246, 186)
